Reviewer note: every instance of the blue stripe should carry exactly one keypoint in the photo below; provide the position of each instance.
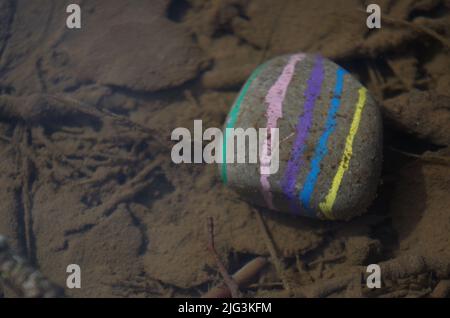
(321, 147)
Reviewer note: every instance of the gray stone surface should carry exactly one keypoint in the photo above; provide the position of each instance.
(316, 173)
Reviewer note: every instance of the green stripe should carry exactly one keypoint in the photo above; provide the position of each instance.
(232, 118)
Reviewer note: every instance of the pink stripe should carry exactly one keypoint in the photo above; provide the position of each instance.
(274, 99)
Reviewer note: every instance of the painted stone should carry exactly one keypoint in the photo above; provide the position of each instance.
(330, 134)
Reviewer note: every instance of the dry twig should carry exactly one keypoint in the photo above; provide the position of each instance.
(229, 281)
(242, 277)
(279, 266)
(442, 160)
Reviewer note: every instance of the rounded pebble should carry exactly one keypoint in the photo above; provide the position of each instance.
(330, 139)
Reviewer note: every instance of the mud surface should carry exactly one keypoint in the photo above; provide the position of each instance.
(86, 116)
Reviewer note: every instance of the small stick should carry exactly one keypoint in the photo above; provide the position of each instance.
(229, 281)
(279, 266)
(287, 137)
(428, 158)
(242, 277)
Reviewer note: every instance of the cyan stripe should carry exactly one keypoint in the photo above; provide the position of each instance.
(232, 118)
(321, 147)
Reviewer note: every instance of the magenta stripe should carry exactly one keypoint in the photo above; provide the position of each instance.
(274, 99)
(295, 162)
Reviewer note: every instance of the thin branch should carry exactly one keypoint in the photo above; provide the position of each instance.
(242, 277)
(279, 266)
(229, 281)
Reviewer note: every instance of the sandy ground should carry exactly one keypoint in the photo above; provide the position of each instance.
(85, 122)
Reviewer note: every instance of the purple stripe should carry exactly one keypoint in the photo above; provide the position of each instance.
(295, 162)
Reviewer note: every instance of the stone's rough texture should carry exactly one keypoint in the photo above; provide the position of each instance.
(330, 136)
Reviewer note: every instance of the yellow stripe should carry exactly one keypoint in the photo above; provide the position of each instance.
(327, 205)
